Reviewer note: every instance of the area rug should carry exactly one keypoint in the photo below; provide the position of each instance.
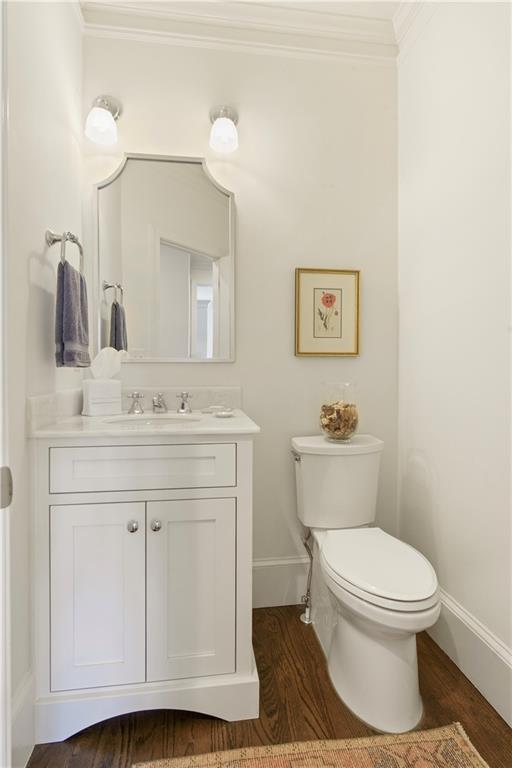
(446, 747)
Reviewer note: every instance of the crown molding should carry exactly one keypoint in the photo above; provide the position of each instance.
(262, 17)
(76, 7)
(244, 26)
(410, 21)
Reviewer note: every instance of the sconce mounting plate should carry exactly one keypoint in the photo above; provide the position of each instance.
(224, 111)
(110, 103)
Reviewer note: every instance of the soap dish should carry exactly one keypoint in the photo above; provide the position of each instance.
(226, 413)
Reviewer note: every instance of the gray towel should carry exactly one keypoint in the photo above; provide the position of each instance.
(118, 335)
(71, 319)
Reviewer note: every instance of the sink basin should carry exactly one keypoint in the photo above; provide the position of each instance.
(152, 419)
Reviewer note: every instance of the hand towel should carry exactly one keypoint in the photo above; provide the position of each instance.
(118, 334)
(71, 319)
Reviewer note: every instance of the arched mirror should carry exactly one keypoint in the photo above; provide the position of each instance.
(166, 253)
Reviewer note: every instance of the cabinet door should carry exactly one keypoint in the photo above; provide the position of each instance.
(97, 595)
(190, 588)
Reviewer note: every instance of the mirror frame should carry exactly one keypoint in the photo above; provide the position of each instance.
(231, 215)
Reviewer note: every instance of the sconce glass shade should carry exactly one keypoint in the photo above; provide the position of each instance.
(100, 126)
(223, 134)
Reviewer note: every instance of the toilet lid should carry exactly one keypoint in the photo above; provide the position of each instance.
(379, 564)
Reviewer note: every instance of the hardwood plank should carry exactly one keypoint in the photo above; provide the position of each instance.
(449, 696)
(298, 703)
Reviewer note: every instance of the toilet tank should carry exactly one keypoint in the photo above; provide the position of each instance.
(336, 481)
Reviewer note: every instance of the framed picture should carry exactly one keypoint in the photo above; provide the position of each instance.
(326, 312)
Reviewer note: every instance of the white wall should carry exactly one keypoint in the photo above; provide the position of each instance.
(454, 278)
(44, 190)
(315, 184)
(173, 307)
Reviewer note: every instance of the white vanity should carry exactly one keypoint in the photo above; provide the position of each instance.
(143, 568)
(143, 523)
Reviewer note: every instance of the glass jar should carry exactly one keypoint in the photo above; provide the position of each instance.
(338, 412)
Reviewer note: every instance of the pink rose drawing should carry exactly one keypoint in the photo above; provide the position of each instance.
(328, 300)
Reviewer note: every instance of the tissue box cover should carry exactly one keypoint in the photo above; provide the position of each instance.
(102, 397)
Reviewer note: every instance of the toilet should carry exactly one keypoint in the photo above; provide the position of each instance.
(371, 593)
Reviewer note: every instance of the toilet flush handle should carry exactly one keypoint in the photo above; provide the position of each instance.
(296, 456)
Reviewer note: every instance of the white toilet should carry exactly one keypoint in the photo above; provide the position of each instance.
(371, 593)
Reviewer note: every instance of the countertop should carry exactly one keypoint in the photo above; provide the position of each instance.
(149, 425)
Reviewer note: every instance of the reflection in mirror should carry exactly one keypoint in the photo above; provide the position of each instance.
(187, 282)
(165, 235)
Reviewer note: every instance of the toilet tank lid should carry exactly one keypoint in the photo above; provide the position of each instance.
(320, 445)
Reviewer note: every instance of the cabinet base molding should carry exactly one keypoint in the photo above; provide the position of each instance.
(230, 697)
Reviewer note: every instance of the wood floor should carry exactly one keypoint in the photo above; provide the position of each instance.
(298, 703)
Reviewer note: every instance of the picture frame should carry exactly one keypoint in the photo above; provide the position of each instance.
(326, 312)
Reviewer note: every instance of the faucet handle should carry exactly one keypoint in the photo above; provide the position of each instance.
(184, 404)
(136, 406)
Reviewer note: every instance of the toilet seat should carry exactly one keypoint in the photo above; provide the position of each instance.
(379, 569)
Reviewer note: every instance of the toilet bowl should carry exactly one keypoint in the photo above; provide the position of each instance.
(380, 603)
(371, 593)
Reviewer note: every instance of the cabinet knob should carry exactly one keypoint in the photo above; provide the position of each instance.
(132, 526)
(156, 525)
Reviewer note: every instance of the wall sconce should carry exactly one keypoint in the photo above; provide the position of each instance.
(100, 125)
(223, 134)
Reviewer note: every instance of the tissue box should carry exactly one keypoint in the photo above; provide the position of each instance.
(102, 397)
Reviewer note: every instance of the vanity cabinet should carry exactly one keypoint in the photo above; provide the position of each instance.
(126, 596)
(143, 568)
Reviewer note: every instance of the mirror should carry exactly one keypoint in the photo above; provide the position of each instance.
(165, 253)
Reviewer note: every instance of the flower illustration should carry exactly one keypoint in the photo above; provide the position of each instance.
(328, 300)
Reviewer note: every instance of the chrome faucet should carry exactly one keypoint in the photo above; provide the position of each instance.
(136, 406)
(183, 399)
(159, 404)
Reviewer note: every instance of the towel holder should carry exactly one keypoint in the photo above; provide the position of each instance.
(116, 287)
(53, 237)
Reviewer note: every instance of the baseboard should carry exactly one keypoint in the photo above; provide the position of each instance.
(483, 657)
(279, 581)
(23, 722)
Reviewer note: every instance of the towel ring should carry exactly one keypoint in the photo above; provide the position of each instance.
(116, 287)
(53, 237)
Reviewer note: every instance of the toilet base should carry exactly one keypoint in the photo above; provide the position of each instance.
(373, 667)
(375, 673)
